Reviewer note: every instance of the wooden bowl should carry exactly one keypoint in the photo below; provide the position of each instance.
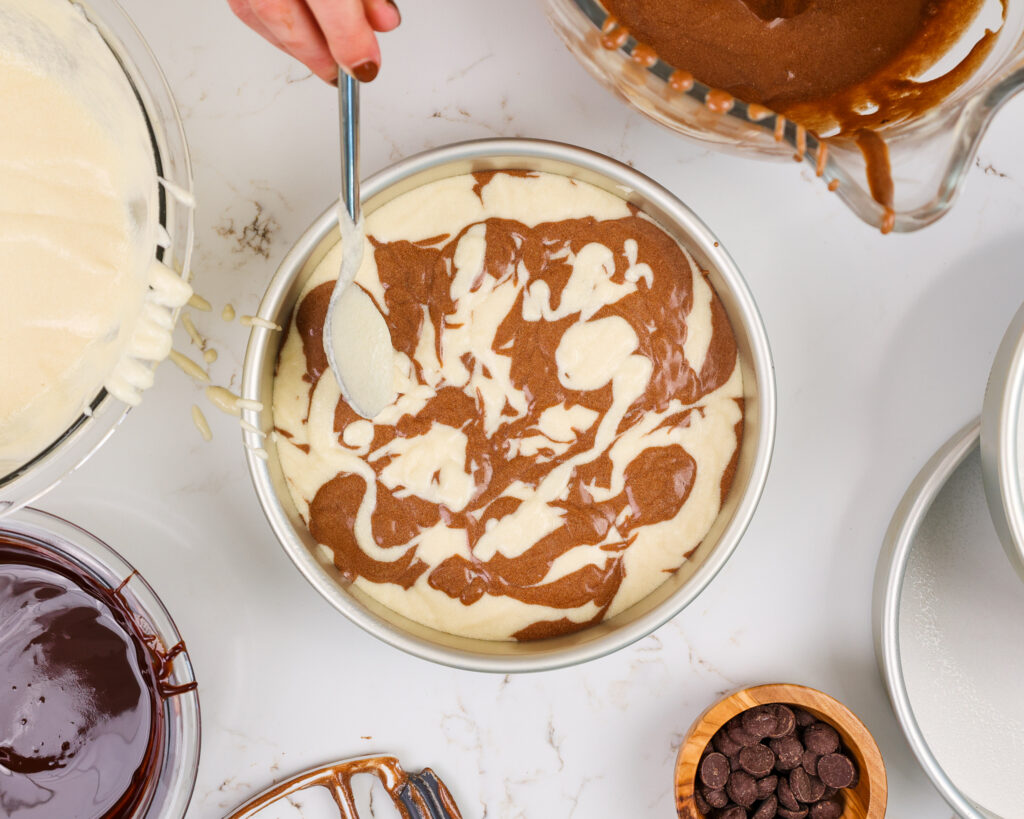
(864, 801)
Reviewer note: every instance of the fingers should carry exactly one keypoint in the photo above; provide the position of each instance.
(245, 13)
(349, 35)
(291, 26)
(323, 34)
(383, 15)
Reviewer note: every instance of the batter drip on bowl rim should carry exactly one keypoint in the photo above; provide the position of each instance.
(569, 412)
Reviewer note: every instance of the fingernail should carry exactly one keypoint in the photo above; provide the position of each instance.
(365, 72)
(395, 7)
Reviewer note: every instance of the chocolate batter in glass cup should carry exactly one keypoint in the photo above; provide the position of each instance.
(861, 90)
(819, 62)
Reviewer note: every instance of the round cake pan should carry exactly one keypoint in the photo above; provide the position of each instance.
(176, 224)
(685, 584)
(1002, 442)
(96, 559)
(948, 623)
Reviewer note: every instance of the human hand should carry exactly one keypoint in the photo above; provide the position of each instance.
(323, 34)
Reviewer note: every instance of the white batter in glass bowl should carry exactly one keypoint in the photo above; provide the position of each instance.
(96, 237)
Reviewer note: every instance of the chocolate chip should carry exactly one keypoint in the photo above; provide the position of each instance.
(767, 809)
(826, 810)
(742, 789)
(821, 738)
(835, 770)
(808, 753)
(800, 783)
(817, 789)
(757, 760)
(787, 752)
(739, 734)
(716, 798)
(785, 720)
(767, 786)
(724, 744)
(701, 803)
(786, 797)
(760, 721)
(806, 788)
(714, 771)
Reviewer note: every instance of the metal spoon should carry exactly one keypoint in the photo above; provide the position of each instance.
(356, 338)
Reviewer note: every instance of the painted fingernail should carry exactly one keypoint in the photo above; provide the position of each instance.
(365, 72)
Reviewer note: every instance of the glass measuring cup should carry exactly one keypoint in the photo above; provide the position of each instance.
(930, 153)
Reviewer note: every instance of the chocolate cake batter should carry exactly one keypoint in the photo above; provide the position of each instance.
(822, 63)
(81, 706)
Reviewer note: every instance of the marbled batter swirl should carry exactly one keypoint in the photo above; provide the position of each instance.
(569, 412)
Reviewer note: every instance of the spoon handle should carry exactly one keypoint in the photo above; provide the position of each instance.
(348, 108)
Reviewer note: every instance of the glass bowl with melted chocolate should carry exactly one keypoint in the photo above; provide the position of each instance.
(460, 460)
(860, 90)
(99, 713)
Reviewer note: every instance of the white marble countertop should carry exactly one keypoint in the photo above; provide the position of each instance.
(882, 346)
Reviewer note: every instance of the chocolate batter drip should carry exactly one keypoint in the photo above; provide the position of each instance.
(657, 482)
(483, 178)
(81, 693)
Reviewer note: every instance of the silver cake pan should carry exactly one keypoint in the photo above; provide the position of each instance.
(949, 634)
(1002, 444)
(683, 586)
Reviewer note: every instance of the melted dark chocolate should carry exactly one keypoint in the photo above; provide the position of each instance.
(81, 702)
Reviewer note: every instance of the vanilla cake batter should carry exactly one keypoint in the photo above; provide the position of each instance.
(568, 416)
(82, 301)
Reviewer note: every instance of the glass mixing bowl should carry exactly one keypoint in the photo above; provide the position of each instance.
(930, 154)
(168, 795)
(175, 217)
